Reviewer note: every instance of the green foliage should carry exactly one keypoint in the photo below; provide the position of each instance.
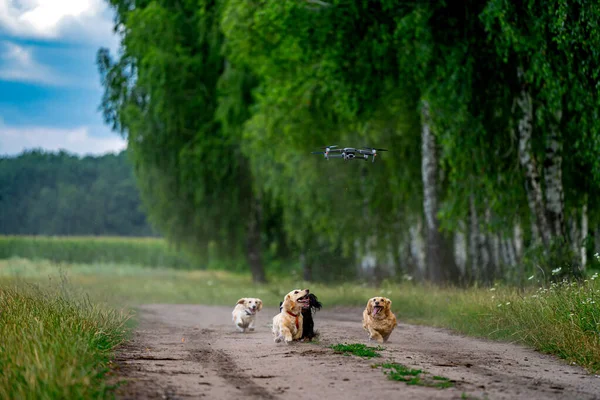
(150, 252)
(357, 349)
(399, 372)
(162, 93)
(55, 344)
(62, 194)
(222, 102)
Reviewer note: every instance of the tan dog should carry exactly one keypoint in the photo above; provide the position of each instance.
(244, 313)
(378, 319)
(287, 325)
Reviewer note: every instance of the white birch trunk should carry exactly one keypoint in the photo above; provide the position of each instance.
(460, 248)
(518, 242)
(433, 258)
(553, 178)
(535, 196)
(417, 247)
(493, 245)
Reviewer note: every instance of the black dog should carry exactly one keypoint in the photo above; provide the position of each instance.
(308, 324)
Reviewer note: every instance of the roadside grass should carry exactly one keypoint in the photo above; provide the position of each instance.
(561, 319)
(55, 343)
(357, 349)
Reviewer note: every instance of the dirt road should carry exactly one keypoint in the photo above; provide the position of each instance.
(194, 352)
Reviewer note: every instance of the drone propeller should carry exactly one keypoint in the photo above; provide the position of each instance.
(317, 152)
(329, 147)
(373, 148)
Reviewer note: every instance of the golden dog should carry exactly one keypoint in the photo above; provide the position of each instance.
(244, 313)
(378, 319)
(287, 325)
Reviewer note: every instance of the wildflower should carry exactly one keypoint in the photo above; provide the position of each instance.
(508, 303)
(499, 305)
(571, 314)
(492, 289)
(493, 297)
(534, 296)
(530, 278)
(556, 270)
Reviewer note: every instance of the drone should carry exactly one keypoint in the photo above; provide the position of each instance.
(349, 153)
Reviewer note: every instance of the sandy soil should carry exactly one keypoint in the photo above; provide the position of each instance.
(193, 352)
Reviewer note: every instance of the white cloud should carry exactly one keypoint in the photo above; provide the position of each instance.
(18, 64)
(73, 20)
(14, 140)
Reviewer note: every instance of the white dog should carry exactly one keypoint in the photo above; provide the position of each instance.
(244, 313)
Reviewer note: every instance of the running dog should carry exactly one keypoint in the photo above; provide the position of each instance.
(378, 319)
(288, 324)
(244, 313)
(308, 324)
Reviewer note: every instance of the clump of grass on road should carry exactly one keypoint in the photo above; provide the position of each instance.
(357, 349)
(399, 372)
(55, 345)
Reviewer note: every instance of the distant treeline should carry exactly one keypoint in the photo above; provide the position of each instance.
(62, 194)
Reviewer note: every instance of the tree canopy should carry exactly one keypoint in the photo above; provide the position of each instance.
(488, 107)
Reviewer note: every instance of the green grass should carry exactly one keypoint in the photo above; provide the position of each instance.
(399, 372)
(55, 344)
(357, 349)
(149, 252)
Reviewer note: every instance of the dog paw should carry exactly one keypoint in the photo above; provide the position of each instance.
(251, 329)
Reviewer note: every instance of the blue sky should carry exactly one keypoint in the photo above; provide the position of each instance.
(49, 84)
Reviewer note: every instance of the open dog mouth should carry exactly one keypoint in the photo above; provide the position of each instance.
(376, 309)
(250, 311)
(305, 301)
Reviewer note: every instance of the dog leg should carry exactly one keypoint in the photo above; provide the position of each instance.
(374, 335)
(287, 335)
(251, 326)
(239, 324)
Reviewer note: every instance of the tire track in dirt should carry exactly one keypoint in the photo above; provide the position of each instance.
(226, 369)
(192, 351)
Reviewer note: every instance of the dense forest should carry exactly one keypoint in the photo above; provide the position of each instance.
(489, 110)
(62, 194)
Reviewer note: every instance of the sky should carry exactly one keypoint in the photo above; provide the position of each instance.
(50, 88)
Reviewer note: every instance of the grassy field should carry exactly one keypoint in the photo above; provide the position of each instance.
(149, 252)
(563, 319)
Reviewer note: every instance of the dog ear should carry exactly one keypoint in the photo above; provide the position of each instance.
(389, 304)
(241, 301)
(369, 306)
(259, 302)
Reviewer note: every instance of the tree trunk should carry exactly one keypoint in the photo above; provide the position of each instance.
(574, 234)
(527, 160)
(306, 267)
(555, 198)
(460, 249)
(597, 240)
(253, 242)
(584, 234)
(474, 241)
(440, 263)
(517, 242)
(417, 249)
